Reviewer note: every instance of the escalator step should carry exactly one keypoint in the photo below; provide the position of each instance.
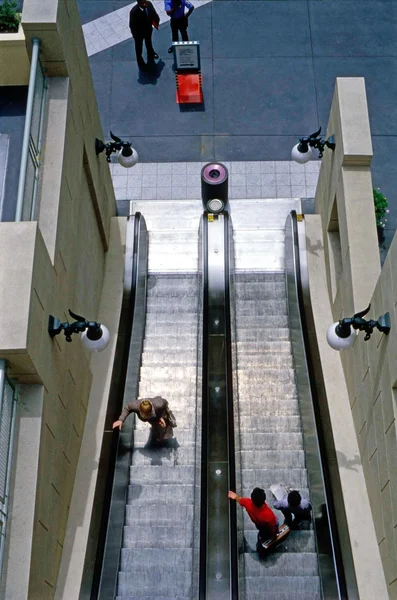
(259, 424)
(152, 492)
(295, 459)
(162, 474)
(271, 441)
(133, 559)
(304, 563)
(165, 511)
(283, 585)
(156, 536)
(295, 478)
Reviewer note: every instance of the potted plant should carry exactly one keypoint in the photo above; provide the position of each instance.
(10, 18)
(381, 209)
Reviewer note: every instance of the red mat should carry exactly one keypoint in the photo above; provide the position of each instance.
(189, 89)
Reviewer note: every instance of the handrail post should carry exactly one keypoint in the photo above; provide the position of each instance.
(26, 132)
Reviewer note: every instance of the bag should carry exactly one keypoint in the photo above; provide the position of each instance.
(171, 418)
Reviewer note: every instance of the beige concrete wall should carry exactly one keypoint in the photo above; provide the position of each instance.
(47, 267)
(344, 202)
(14, 60)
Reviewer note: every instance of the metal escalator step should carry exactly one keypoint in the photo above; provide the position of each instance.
(259, 459)
(292, 585)
(265, 291)
(266, 375)
(152, 492)
(164, 373)
(265, 361)
(187, 304)
(247, 332)
(155, 580)
(181, 474)
(264, 441)
(284, 595)
(266, 321)
(149, 596)
(167, 389)
(184, 437)
(262, 307)
(172, 356)
(268, 276)
(181, 456)
(156, 536)
(269, 406)
(287, 565)
(133, 559)
(263, 348)
(162, 511)
(294, 478)
(253, 391)
(284, 424)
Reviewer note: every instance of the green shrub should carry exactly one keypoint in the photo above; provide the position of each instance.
(380, 204)
(9, 17)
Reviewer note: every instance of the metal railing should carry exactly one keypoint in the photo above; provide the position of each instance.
(27, 209)
(7, 423)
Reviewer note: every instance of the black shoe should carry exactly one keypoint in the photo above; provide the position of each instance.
(170, 49)
(154, 55)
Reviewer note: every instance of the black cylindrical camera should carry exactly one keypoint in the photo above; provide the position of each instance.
(214, 187)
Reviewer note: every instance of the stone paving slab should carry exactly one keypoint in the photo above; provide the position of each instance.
(181, 180)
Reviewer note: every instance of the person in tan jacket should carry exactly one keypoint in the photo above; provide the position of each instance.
(154, 411)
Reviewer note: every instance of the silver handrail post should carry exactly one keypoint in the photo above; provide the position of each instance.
(26, 132)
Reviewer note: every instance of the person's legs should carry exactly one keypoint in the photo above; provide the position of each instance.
(175, 29)
(287, 517)
(138, 52)
(183, 29)
(149, 48)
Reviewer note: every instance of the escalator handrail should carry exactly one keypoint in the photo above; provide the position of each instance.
(330, 508)
(101, 584)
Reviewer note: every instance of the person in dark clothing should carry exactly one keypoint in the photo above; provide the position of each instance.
(154, 411)
(295, 506)
(259, 512)
(179, 21)
(142, 18)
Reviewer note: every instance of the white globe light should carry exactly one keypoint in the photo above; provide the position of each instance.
(301, 157)
(127, 161)
(338, 343)
(96, 345)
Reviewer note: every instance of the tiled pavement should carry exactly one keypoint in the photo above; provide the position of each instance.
(111, 29)
(181, 180)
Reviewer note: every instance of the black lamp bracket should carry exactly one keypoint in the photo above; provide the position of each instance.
(81, 324)
(115, 146)
(357, 322)
(315, 141)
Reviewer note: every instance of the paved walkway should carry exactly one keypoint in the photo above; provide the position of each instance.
(269, 68)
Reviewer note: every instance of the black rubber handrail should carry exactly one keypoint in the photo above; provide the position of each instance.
(338, 562)
(109, 455)
(233, 550)
(230, 442)
(204, 429)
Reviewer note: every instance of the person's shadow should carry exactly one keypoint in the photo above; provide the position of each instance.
(152, 72)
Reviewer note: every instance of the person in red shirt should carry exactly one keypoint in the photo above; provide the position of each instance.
(259, 512)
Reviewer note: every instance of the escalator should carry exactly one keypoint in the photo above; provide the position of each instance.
(172, 533)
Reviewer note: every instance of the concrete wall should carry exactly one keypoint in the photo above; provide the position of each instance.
(347, 243)
(47, 267)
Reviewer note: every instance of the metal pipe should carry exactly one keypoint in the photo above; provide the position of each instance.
(26, 133)
(8, 480)
(39, 144)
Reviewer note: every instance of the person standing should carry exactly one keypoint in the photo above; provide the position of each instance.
(294, 505)
(154, 411)
(142, 18)
(179, 21)
(259, 512)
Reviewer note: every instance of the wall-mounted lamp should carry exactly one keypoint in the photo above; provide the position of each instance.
(126, 155)
(302, 152)
(341, 335)
(94, 336)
